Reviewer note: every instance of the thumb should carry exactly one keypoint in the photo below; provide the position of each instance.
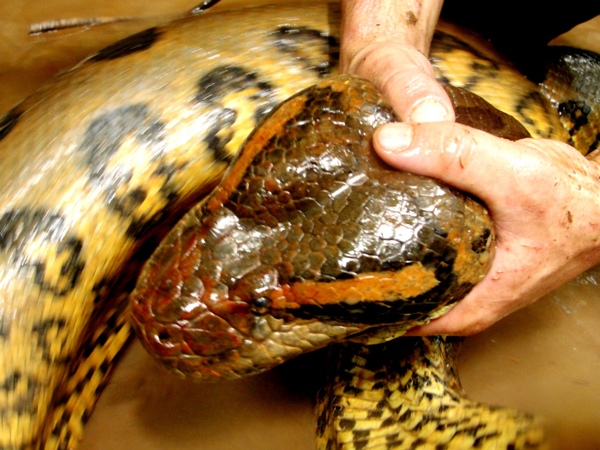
(405, 78)
(468, 159)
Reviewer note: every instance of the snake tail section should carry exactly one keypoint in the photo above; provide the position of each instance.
(405, 394)
(309, 239)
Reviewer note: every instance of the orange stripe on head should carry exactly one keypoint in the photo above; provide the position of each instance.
(255, 144)
(409, 282)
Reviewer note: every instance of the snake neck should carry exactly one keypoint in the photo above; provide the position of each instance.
(393, 395)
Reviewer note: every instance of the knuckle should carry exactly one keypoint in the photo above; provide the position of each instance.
(456, 147)
(462, 145)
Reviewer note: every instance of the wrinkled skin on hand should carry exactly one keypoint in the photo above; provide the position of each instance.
(542, 196)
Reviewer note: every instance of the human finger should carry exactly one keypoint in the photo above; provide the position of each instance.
(463, 157)
(405, 78)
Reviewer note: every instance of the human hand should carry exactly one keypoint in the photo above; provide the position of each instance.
(543, 199)
(385, 41)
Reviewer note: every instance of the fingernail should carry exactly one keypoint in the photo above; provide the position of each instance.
(395, 137)
(429, 110)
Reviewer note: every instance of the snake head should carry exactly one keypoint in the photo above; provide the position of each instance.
(309, 239)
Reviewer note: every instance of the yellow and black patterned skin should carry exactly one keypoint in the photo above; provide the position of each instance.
(98, 163)
(412, 382)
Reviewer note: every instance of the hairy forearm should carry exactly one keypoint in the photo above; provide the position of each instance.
(410, 22)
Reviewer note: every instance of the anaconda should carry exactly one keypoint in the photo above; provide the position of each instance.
(52, 239)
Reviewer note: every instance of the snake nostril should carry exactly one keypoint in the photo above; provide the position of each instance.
(164, 341)
(163, 336)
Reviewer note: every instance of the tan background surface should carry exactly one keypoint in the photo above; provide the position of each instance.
(545, 359)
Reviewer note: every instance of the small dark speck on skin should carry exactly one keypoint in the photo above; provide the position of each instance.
(411, 18)
(569, 217)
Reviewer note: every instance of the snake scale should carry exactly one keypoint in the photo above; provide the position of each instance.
(100, 162)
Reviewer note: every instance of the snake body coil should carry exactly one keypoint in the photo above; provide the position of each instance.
(101, 160)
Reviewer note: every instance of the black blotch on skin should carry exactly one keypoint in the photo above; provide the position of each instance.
(296, 41)
(139, 228)
(212, 89)
(11, 381)
(446, 43)
(221, 119)
(347, 424)
(4, 328)
(577, 112)
(106, 133)
(23, 403)
(130, 201)
(46, 331)
(60, 425)
(523, 105)
(8, 122)
(20, 227)
(104, 137)
(596, 143)
(132, 44)
(223, 80)
(360, 435)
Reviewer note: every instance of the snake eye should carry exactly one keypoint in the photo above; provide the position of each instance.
(261, 305)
